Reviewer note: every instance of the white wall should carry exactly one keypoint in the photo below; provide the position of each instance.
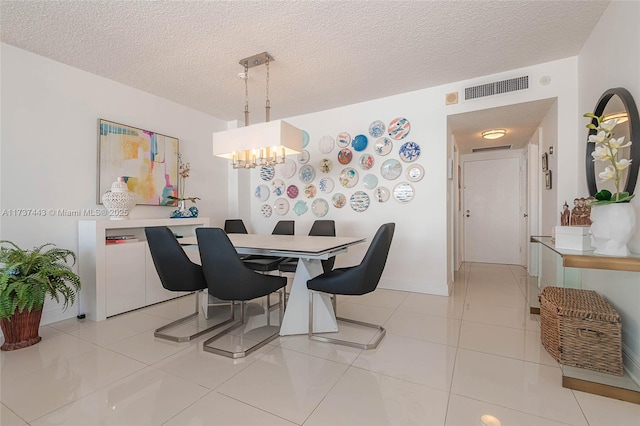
(49, 148)
(418, 260)
(549, 211)
(611, 58)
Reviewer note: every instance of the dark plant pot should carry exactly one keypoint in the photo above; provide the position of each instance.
(21, 330)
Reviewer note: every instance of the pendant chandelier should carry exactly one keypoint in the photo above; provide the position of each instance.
(264, 144)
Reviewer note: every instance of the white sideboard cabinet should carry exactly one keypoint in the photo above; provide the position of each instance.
(118, 278)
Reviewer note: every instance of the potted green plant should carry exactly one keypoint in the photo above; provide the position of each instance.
(26, 277)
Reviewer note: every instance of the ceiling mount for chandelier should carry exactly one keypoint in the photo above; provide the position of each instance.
(261, 144)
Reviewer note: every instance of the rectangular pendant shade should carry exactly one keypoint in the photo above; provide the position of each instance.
(274, 134)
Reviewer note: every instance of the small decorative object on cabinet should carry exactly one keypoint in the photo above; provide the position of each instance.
(26, 277)
(119, 201)
(182, 211)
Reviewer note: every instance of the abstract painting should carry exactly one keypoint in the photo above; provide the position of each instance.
(147, 161)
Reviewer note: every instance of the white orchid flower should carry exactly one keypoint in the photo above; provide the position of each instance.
(608, 174)
(618, 143)
(623, 164)
(601, 153)
(608, 125)
(599, 138)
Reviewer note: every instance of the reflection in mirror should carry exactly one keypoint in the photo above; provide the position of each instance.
(615, 109)
(616, 103)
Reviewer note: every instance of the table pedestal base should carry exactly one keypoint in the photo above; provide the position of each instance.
(296, 316)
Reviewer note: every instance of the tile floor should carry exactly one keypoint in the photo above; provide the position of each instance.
(444, 361)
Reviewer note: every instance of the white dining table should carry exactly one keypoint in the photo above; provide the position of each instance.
(310, 251)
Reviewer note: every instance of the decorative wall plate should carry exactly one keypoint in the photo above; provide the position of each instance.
(319, 207)
(300, 207)
(266, 210)
(307, 173)
(344, 156)
(383, 146)
(281, 206)
(360, 142)
(415, 173)
(266, 173)
(339, 200)
(326, 184)
(278, 187)
(370, 181)
(403, 192)
(262, 193)
(382, 194)
(305, 138)
(326, 165)
(303, 157)
(366, 161)
(310, 190)
(286, 170)
(376, 129)
(292, 191)
(391, 169)
(344, 139)
(409, 152)
(326, 144)
(399, 128)
(349, 177)
(359, 201)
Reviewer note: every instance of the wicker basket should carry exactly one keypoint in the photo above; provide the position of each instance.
(579, 328)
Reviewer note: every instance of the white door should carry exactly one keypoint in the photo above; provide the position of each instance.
(492, 211)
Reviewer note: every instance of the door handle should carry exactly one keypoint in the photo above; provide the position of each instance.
(468, 213)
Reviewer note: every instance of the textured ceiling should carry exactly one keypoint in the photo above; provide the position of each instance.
(327, 53)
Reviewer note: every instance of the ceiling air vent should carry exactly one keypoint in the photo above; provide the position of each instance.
(491, 148)
(496, 88)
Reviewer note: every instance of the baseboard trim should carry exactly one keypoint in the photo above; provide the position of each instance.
(601, 389)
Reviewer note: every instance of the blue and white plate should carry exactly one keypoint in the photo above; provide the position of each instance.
(376, 129)
(303, 157)
(359, 201)
(305, 138)
(349, 177)
(278, 187)
(415, 173)
(262, 193)
(409, 152)
(344, 139)
(326, 184)
(403, 192)
(300, 208)
(267, 172)
(326, 144)
(370, 181)
(319, 207)
(307, 173)
(383, 146)
(359, 143)
(391, 169)
(339, 200)
(266, 210)
(399, 128)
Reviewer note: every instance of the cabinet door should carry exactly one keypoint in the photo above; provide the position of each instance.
(155, 292)
(125, 277)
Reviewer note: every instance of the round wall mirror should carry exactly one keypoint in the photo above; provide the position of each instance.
(616, 103)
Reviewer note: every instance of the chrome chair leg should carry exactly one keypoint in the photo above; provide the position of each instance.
(379, 334)
(159, 332)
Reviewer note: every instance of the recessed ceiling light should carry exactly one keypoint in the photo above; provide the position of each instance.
(494, 133)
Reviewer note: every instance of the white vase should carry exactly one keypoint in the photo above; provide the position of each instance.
(612, 228)
(119, 200)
